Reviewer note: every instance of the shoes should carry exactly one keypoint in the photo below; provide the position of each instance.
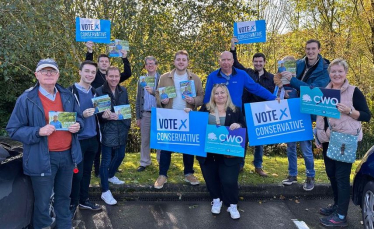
(260, 172)
(290, 180)
(328, 210)
(141, 168)
(89, 205)
(115, 180)
(234, 213)
(161, 180)
(73, 211)
(216, 206)
(309, 184)
(334, 221)
(108, 198)
(190, 178)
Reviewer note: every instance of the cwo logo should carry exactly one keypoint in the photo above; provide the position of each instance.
(320, 99)
(270, 112)
(87, 24)
(178, 120)
(225, 138)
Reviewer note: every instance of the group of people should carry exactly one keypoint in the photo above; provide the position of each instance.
(62, 161)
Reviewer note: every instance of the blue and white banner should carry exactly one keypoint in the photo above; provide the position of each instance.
(319, 101)
(94, 30)
(178, 131)
(222, 140)
(273, 122)
(250, 31)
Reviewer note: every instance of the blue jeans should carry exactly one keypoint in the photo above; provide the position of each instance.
(259, 152)
(306, 148)
(165, 159)
(109, 167)
(60, 182)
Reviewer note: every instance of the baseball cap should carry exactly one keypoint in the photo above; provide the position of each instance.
(44, 63)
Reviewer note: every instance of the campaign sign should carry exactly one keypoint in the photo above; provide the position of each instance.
(319, 101)
(250, 31)
(178, 131)
(273, 122)
(222, 140)
(95, 30)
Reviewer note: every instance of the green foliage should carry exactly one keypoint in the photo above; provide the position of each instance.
(35, 29)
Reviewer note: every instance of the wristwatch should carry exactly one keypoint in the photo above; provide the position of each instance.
(350, 112)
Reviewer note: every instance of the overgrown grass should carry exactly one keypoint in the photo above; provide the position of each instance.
(275, 166)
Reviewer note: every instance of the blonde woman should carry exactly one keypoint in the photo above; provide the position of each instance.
(221, 172)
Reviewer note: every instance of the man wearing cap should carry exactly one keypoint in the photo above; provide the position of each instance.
(83, 93)
(49, 156)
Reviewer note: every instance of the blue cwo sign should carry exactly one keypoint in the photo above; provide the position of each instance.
(178, 131)
(272, 122)
(222, 140)
(95, 30)
(320, 101)
(250, 31)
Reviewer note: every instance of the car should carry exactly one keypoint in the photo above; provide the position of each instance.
(363, 188)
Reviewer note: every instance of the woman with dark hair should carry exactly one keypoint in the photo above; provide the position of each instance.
(353, 109)
(221, 172)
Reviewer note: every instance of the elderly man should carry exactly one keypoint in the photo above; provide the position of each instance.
(310, 71)
(173, 78)
(145, 100)
(49, 156)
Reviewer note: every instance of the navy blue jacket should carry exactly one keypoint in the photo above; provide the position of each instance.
(25, 122)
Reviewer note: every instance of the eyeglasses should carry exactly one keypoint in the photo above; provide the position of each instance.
(48, 72)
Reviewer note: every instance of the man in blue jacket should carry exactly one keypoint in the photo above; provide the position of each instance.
(310, 71)
(49, 156)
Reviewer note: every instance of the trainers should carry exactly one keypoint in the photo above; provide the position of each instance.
(290, 180)
(216, 206)
(108, 198)
(190, 178)
(234, 213)
(140, 168)
(73, 211)
(334, 221)
(89, 205)
(309, 184)
(161, 180)
(328, 210)
(260, 172)
(115, 180)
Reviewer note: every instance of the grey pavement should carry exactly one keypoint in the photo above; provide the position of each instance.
(260, 213)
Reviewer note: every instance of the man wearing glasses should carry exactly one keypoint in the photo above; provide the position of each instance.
(50, 156)
(145, 100)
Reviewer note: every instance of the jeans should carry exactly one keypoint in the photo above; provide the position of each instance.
(339, 176)
(165, 159)
(81, 180)
(221, 180)
(109, 166)
(306, 148)
(60, 182)
(259, 152)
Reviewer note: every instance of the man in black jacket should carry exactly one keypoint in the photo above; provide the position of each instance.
(103, 63)
(265, 79)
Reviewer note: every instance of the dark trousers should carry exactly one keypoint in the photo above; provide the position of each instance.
(97, 160)
(221, 179)
(81, 180)
(165, 160)
(60, 182)
(109, 164)
(339, 174)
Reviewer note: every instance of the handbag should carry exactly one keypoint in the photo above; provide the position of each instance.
(342, 146)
